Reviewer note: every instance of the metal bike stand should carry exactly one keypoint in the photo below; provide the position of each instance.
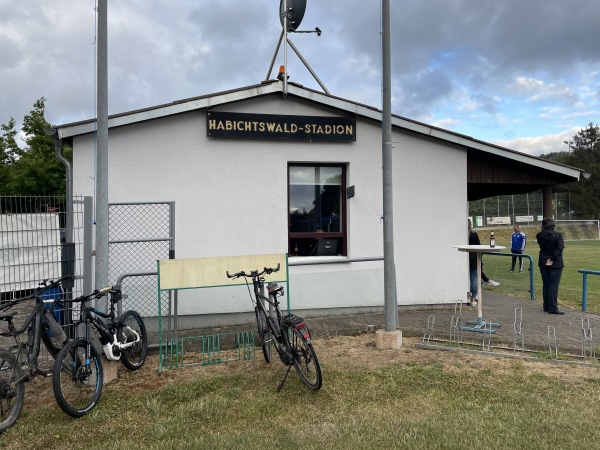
(456, 325)
(587, 342)
(429, 331)
(518, 330)
(552, 342)
(487, 330)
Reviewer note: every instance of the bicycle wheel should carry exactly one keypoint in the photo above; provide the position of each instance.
(134, 357)
(12, 392)
(264, 334)
(305, 360)
(77, 387)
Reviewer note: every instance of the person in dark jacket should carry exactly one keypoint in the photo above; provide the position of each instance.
(550, 263)
(474, 288)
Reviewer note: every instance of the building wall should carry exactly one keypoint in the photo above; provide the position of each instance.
(231, 198)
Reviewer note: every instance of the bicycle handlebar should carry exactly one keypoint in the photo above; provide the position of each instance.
(47, 283)
(44, 285)
(253, 273)
(96, 294)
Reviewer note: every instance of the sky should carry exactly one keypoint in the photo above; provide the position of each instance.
(524, 74)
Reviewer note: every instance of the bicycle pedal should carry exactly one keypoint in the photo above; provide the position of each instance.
(44, 373)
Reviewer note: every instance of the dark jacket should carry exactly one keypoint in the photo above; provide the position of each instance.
(551, 247)
(473, 240)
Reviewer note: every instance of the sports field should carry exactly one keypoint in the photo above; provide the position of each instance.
(577, 255)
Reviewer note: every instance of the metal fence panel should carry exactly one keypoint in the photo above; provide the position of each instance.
(139, 235)
(34, 243)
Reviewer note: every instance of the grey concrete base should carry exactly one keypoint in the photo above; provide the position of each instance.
(385, 340)
(109, 369)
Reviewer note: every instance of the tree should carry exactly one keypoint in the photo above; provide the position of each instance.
(9, 154)
(584, 153)
(34, 170)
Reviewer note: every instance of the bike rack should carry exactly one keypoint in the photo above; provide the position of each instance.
(552, 342)
(518, 330)
(456, 325)
(217, 348)
(197, 273)
(587, 341)
(429, 331)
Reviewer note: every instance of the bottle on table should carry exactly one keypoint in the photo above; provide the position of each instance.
(492, 240)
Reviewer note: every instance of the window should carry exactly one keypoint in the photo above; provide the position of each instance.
(317, 210)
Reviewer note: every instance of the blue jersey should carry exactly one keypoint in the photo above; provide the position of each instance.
(519, 240)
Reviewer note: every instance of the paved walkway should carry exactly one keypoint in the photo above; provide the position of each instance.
(496, 307)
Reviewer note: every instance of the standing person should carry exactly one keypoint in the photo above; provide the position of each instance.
(517, 246)
(551, 263)
(474, 288)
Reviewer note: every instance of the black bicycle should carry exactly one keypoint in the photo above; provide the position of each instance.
(287, 333)
(19, 363)
(77, 374)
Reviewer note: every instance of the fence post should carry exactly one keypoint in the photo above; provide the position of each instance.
(584, 293)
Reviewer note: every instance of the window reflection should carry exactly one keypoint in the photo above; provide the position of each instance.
(315, 199)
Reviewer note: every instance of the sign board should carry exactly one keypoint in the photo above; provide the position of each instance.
(275, 126)
(211, 272)
(523, 218)
(350, 191)
(498, 220)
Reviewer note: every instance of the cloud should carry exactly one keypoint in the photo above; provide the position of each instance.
(484, 68)
(540, 145)
(538, 91)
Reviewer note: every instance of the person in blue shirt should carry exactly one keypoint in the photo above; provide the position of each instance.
(517, 246)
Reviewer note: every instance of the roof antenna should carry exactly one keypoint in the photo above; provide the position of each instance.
(291, 13)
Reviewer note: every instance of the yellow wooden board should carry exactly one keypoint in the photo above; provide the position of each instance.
(206, 272)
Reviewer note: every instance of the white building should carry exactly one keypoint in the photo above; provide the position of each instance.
(252, 172)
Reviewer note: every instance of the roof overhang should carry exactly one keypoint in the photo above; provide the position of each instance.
(477, 151)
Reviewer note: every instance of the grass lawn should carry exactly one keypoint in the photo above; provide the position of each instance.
(577, 255)
(371, 399)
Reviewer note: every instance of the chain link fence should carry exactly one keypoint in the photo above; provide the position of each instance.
(139, 235)
(520, 208)
(37, 242)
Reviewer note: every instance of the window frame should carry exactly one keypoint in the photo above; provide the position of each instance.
(342, 234)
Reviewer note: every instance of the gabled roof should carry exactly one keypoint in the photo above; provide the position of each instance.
(549, 173)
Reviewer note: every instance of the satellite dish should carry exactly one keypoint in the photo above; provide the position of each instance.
(295, 13)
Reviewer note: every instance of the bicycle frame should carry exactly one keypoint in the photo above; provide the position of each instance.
(35, 325)
(259, 298)
(106, 332)
(290, 335)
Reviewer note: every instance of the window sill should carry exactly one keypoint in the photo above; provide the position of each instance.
(301, 260)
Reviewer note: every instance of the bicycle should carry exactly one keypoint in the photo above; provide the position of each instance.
(287, 333)
(77, 373)
(19, 364)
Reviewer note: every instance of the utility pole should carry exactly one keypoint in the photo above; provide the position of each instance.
(101, 277)
(391, 304)
(390, 337)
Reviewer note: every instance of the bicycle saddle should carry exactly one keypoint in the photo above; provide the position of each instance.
(8, 316)
(274, 289)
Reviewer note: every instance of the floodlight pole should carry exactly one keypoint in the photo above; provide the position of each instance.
(389, 269)
(101, 278)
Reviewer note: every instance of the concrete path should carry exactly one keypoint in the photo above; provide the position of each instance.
(496, 307)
